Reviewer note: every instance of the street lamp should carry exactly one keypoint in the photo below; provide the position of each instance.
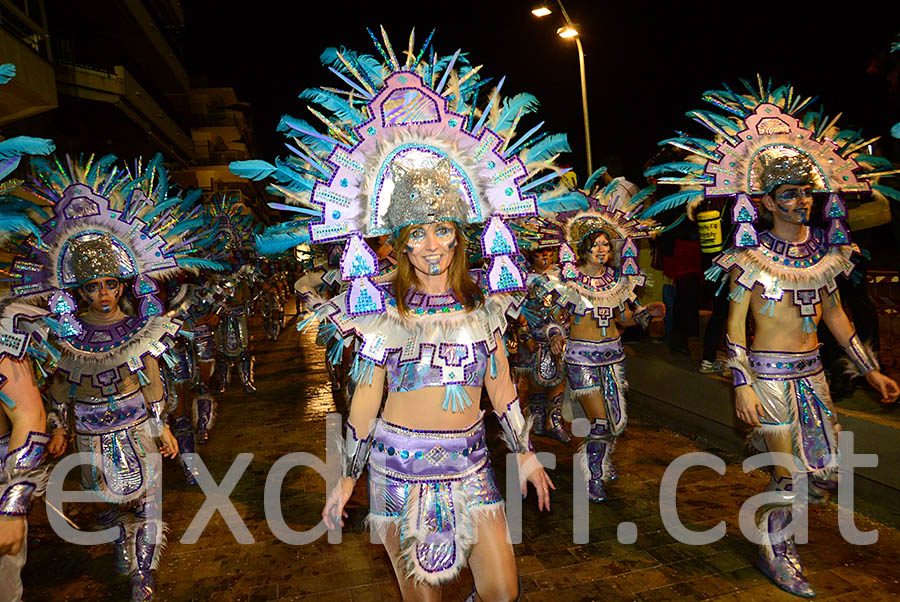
(568, 32)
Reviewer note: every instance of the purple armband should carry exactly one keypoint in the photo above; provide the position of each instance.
(739, 363)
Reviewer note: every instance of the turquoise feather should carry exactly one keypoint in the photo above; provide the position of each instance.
(25, 145)
(547, 148)
(595, 177)
(286, 126)
(7, 72)
(677, 166)
(334, 103)
(195, 262)
(673, 200)
(874, 161)
(528, 103)
(887, 191)
(254, 169)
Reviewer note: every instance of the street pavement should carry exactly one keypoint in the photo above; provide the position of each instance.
(288, 414)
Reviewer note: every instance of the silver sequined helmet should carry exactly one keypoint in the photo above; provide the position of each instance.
(94, 258)
(424, 195)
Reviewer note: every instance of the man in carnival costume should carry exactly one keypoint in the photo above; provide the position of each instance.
(773, 156)
(111, 226)
(23, 340)
(235, 293)
(597, 291)
(418, 159)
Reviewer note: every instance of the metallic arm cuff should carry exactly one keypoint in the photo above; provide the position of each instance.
(58, 414)
(20, 477)
(739, 363)
(861, 355)
(553, 329)
(516, 429)
(355, 453)
(159, 414)
(642, 317)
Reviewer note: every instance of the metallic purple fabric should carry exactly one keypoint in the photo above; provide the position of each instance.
(769, 365)
(20, 478)
(594, 353)
(414, 375)
(447, 475)
(183, 369)
(95, 415)
(600, 366)
(425, 455)
(232, 333)
(780, 562)
(204, 343)
(28, 456)
(794, 394)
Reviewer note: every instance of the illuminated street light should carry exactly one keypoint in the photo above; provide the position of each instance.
(570, 32)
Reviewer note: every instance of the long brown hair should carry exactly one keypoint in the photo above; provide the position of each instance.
(462, 285)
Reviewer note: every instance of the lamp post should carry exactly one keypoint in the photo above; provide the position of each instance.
(567, 32)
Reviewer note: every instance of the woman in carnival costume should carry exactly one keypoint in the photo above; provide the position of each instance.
(409, 154)
(537, 361)
(595, 284)
(111, 226)
(23, 343)
(773, 154)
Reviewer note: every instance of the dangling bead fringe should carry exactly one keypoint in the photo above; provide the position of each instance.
(713, 273)
(809, 325)
(737, 294)
(768, 309)
(362, 370)
(170, 361)
(5, 399)
(493, 367)
(456, 399)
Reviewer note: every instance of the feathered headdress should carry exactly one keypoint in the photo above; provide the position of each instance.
(613, 209)
(409, 142)
(231, 229)
(149, 233)
(14, 211)
(766, 136)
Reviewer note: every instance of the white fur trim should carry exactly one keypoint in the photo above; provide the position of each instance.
(468, 516)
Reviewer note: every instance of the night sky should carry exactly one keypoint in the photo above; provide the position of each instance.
(646, 64)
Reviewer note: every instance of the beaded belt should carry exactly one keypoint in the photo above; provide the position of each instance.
(594, 353)
(771, 365)
(98, 415)
(419, 455)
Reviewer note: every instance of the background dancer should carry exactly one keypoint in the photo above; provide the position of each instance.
(774, 154)
(595, 284)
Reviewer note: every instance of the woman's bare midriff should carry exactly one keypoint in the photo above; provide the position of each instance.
(587, 329)
(422, 409)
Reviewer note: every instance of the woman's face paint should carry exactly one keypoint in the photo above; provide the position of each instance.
(792, 203)
(430, 247)
(601, 251)
(102, 294)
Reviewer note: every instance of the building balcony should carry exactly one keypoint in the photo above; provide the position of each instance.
(33, 90)
(117, 87)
